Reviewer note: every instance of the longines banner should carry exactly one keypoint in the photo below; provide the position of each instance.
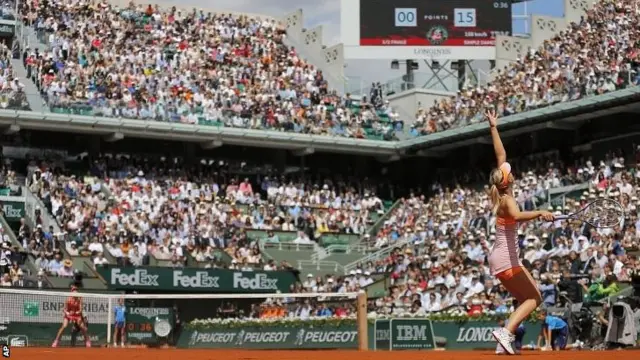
(196, 280)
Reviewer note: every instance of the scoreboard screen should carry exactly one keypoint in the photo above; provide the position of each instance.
(433, 23)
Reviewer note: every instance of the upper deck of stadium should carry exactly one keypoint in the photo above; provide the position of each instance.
(302, 108)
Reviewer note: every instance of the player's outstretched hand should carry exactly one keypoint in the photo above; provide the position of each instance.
(492, 117)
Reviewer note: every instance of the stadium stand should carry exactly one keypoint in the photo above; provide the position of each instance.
(12, 95)
(245, 78)
(416, 252)
(567, 67)
(227, 216)
(340, 240)
(299, 99)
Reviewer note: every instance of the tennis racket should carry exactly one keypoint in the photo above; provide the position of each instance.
(602, 213)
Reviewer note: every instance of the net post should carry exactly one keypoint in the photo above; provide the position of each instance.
(361, 318)
(109, 320)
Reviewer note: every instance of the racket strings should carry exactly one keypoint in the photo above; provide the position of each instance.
(602, 213)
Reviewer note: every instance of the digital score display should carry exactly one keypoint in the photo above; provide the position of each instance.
(141, 321)
(434, 23)
(142, 327)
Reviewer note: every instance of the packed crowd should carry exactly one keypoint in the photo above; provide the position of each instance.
(7, 10)
(10, 261)
(456, 205)
(595, 56)
(8, 182)
(168, 65)
(12, 95)
(49, 260)
(246, 77)
(146, 211)
(306, 308)
(440, 247)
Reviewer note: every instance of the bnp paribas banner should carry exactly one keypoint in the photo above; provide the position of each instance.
(43, 308)
(29, 319)
(196, 280)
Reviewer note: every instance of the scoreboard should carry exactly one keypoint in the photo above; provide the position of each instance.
(141, 321)
(453, 29)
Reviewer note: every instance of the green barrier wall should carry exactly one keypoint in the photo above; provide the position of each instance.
(414, 334)
(42, 334)
(406, 334)
(278, 337)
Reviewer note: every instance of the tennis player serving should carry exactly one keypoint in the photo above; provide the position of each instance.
(73, 315)
(504, 259)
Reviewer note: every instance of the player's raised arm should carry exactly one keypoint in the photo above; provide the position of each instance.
(498, 147)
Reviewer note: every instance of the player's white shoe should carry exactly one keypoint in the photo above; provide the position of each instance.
(504, 337)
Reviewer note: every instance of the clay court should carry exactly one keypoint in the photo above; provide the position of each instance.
(174, 354)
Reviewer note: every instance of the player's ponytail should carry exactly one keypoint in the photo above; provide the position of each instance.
(495, 199)
(494, 194)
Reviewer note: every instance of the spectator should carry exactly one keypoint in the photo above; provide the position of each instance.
(5, 281)
(66, 270)
(19, 280)
(600, 290)
(548, 290)
(100, 260)
(40, 282)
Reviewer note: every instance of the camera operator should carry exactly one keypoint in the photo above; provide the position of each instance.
(569, 284)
